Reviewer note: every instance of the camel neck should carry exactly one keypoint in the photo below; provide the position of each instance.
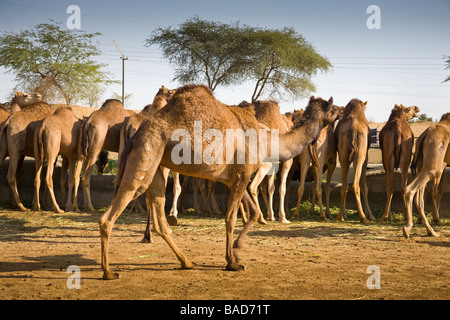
(14, 107)
(292, 143)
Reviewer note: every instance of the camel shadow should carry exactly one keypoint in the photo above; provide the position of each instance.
(44, 263)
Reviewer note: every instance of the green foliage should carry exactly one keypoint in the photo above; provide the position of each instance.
(55, 62)
(421, 118)
(281, 62)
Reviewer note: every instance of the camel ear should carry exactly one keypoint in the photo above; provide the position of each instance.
(396, 106)
(365, 103)
(17, 93)
(330, 101)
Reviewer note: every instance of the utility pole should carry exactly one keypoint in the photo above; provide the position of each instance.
(123, 72)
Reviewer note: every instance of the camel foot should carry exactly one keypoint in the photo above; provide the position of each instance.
(339, 218)
(364, 221)
(325, 219)
(437, 222)
(172, 220)
(235, 267)
(433, 234)
(406, 232)
(108, 275)
(188, 265)
(59, 211)
(22, 208)
(284, 220)
(262, 221)
(146, 240)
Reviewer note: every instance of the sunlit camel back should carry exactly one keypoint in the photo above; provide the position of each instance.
(100, 131)
(191, 111)
(352, 136)
(396, 143)
(431, 157)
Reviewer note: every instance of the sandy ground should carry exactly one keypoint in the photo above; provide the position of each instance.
(306, 259)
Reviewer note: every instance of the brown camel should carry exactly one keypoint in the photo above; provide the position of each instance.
(100, 131)
(352, 136)
(268, 113)
(58, 134)
(396, 143)
(431, 157)
(324, 148)
(193, 110)
(20, 100)
(20, 129)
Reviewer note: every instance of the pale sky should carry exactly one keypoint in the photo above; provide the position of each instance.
(400, 63)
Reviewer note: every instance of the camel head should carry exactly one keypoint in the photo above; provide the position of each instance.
(166, 93)
(320, 109)
(24, 98)
(445, 117)
(407, 112)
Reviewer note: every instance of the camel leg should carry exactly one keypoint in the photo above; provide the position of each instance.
(389, 171)
(37, 183)
(184, 187)
(436, 194)
(148, 232)
(318, 190)
(270, 192)
(63, 180)
(330, 171)
(365, 190)
(215, 205)
(283, 177)
(77, 165)
(156, 193)
(51, 157)
(304, 160)
(173, 215)
(88, 166)
(196, 187)
(14, 159)
(358, 168)
(344, 189)
(411, 189)
(253, 217)
(253, 188)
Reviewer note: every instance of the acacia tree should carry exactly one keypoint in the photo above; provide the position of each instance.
(55, 62)
(279, 61)
(204, 51)
(284, 64)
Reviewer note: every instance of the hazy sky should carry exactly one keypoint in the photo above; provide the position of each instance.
(400, 63)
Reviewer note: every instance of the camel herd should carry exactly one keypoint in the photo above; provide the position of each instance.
(143, 140)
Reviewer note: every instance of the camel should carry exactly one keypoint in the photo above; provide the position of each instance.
(268, 113)
(127, 131)
(396, 143)
(434, 143)
(352, 136)
(58, 134)
(193, 109)
(20, 129)
(20, 100)
(325, 150)
(100, 131)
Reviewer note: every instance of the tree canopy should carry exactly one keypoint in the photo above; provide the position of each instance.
(55, 62)
(281, 62)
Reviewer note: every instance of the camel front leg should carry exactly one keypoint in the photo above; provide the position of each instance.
(11, 177)
(283, 182)
(389, 171)
(172, 219)
(253, 188)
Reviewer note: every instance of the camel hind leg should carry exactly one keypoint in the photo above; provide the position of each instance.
(134, 178)
(156, 194)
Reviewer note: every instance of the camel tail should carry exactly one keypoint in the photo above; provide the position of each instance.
(397, 150)
(84, 140)
(40, 143)
(122, 163)
(313, 155)
(353, 138)
(418, 154)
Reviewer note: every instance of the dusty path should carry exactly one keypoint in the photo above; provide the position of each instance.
(306, 259)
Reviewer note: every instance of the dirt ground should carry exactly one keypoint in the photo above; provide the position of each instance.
(306, 259)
